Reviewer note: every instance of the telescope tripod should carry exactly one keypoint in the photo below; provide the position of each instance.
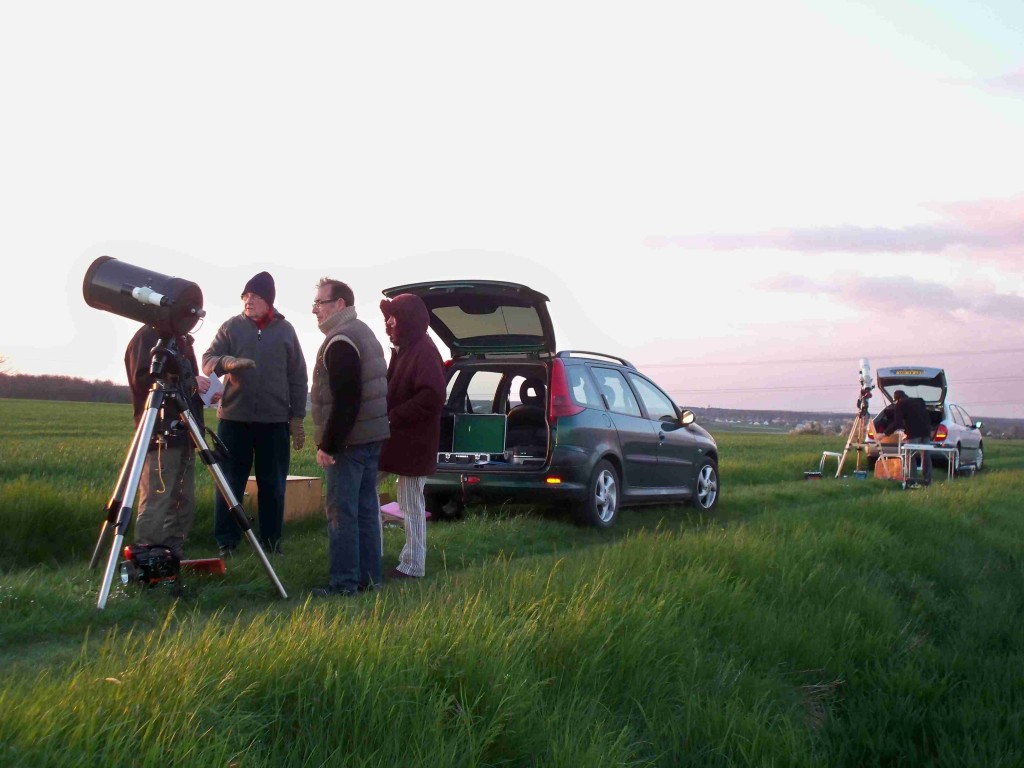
(858, 433)
(119, 508)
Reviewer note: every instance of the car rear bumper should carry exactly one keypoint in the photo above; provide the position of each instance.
(565, 480)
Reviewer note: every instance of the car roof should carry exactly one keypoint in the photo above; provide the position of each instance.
(485, 316)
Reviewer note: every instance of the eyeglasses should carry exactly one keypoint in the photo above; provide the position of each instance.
(318, 302)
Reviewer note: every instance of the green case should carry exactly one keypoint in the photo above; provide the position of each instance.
(479, 433)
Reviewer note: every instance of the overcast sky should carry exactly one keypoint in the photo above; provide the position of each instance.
(742, 198)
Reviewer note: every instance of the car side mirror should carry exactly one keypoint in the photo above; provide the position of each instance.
(977, 425)
(684, 420)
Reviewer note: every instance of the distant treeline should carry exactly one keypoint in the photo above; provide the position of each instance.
(62, 388)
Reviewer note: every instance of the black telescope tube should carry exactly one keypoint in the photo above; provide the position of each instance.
(171, 305)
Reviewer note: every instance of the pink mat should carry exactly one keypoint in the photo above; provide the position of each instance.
(393, 513)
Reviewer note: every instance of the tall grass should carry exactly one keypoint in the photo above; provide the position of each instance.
(807, 624)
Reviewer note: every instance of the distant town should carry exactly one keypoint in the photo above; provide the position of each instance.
(810, 422)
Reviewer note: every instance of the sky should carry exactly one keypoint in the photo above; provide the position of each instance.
(744, 199)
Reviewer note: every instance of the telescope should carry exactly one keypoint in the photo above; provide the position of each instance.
(171, 305)
(866, 381)
(859, 430)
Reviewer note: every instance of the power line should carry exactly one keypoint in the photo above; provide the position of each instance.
(816, 387)
(823, 360)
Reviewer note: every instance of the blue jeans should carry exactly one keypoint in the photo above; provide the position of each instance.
(353, 518)
(266, 446)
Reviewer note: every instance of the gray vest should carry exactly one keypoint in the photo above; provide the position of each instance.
(371, 423)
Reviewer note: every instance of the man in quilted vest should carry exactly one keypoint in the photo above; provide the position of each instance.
(350, 419)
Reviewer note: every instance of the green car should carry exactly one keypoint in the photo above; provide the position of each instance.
(524, 423)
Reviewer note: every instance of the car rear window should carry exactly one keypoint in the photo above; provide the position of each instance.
(500, 321)
(928, 393)
(584, 392)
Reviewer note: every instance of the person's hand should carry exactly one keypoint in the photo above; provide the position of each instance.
(229, 363)
(202, 384)
(216, 398)
(298, 433)
(324, 459)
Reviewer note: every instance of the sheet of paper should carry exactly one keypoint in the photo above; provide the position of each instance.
(215, 387)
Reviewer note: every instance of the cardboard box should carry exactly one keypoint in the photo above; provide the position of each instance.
(889, 468)
(303, 496)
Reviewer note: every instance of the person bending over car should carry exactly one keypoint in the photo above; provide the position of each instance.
(910, 414)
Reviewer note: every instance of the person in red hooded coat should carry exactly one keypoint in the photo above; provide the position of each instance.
(416, 394)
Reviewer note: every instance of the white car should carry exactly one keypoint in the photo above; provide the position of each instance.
(952, 425)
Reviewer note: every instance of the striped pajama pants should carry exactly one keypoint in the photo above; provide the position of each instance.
(413, 560)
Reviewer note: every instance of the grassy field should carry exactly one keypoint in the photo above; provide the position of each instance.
(827, 623)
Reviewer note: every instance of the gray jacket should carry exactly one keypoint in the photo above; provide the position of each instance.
(275, 390)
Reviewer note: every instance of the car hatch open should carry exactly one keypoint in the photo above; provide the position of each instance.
(474, 317)
(917, 381)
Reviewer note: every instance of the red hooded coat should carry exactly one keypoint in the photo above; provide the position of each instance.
(416, 391)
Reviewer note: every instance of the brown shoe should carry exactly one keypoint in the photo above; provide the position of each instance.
(394, 573)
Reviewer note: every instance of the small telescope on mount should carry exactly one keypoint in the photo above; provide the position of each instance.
(171, 305)
(859, 430)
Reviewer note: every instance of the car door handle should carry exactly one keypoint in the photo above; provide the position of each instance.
(661, 437)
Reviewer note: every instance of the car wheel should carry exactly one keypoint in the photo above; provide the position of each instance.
(601, 505)
(980, 458)
(705, 487)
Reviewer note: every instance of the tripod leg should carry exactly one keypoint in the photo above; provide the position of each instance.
(235, 507)
(114, 504)
(137, 460)
(854, 431)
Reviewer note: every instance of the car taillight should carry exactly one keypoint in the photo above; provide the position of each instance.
(940, 434)
(561, 403)
(448, 364)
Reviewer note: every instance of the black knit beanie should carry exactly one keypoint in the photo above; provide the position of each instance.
(263, 286)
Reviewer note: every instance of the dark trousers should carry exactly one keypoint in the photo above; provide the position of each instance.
(925, 459)
(265, 446)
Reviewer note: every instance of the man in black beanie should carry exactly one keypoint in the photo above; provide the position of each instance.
(264, 402)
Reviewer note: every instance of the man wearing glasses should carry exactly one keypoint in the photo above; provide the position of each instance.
(350, 419)
(264, 402)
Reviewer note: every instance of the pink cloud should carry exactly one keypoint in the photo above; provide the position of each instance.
(1010, 81)
(904, 295)
(992, 230)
